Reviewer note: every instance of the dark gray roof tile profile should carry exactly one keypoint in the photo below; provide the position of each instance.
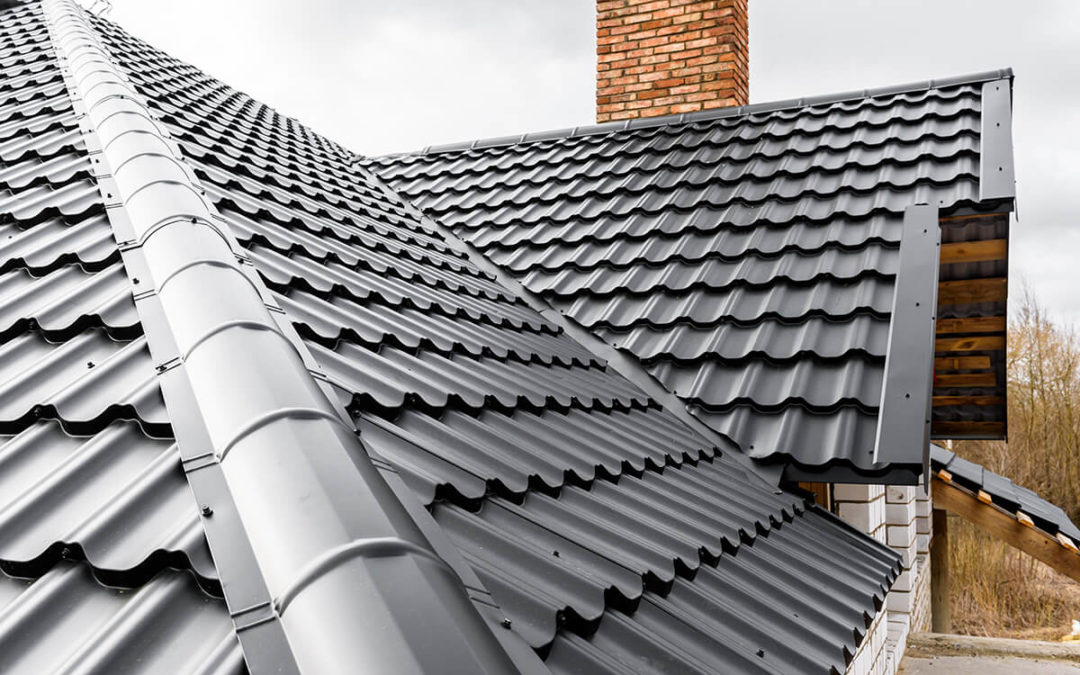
(748, 257)
(103, 560)
(65, 621)
(569, 495)
(1004, 493)
(323, 567)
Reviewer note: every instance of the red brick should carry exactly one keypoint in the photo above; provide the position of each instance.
(658, 57)
(685, 108)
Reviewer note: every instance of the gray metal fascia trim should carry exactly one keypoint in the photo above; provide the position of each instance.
(903, 432)
(997, 173)
(709, 115)
(296, 486)
(624, 364)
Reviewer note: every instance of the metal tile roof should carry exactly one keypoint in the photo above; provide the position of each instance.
(748, 257)
(528, 449)
(564, 490)
(1004, 493)
(91, 489)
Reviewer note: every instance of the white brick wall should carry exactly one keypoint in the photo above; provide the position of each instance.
(900, 516)
(871, 658)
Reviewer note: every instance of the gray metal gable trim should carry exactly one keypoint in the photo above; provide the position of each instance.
(903, 433)
(997, 174)
(289, 513)
(709, 115)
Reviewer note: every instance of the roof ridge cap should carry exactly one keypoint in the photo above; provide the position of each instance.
(704, 115)
(291, 499)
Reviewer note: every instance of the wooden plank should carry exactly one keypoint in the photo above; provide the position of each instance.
(965, 380)
(974, 324)
(940, 611)
(969, 291)
(940, 401)
(961, 363)
(976, 343)
(1004, 526)
(974, 251)
(988, 217)
(941, 430)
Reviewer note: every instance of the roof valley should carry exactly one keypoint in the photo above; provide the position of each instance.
(619, 361)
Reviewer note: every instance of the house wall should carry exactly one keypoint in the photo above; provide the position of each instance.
(899, 516)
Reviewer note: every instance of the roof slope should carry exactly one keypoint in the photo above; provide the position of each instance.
(527, 449)
(748, 257)
(1005, 494)
(91, 488)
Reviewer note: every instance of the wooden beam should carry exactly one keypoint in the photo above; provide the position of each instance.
(974, 251)
(974, 324)
(1004, 526)
(940, 611)
(978, 343)
(969, 291)
(965, 380)
(940, 430)
(940, 401)
(961, 363)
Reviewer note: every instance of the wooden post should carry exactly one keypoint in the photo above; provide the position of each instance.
(941, 616)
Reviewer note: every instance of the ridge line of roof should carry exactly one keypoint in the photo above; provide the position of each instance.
(705, 115)
(270, 539)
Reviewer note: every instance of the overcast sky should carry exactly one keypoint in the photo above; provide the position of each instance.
(381, 76)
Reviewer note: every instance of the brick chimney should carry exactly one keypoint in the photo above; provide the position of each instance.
(661, 57)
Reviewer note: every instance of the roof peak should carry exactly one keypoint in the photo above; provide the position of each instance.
(708, 115)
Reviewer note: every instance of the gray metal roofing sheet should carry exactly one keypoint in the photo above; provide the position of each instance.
(65, 621)
(749, 258)
(491, 413)
(1005, 494)
(91, 489)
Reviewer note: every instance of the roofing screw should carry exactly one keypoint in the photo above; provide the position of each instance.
(160, 368)
(89, 364)
(506, 623)
(761, 653)
(207, 511)
(134, 280)
(555, 553)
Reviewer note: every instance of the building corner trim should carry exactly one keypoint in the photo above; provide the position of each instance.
(997, 173)
(903, 433)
